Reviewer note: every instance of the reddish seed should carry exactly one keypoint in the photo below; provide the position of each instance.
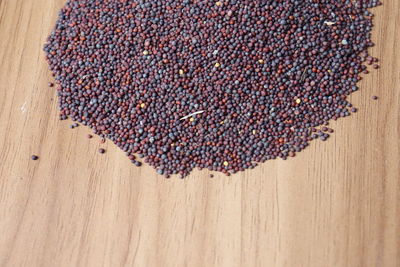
(34, 157)
(102, 151)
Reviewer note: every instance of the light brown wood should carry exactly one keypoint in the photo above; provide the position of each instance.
(335, 204)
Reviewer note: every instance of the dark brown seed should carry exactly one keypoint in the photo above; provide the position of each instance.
(34, 157)
(102, 151)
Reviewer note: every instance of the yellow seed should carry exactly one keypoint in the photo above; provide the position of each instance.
(145, 52)
(226, 163)
(298, 100)
(254, 131)
(218, 3)
(261, 61)
(329, 71)
(217, 65)
(191, 119)
(181, 72)
(142, 105)
(222, 122)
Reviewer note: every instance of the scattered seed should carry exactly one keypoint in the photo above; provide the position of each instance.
(34, 157)
(102, 151)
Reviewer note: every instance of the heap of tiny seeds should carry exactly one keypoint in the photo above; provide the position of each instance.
(221, 85)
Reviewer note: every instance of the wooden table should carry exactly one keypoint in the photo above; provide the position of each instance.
(335, 204)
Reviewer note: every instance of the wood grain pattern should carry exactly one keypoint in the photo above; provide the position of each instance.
(335, 204)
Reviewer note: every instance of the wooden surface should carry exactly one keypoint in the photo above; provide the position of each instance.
(335, 204)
